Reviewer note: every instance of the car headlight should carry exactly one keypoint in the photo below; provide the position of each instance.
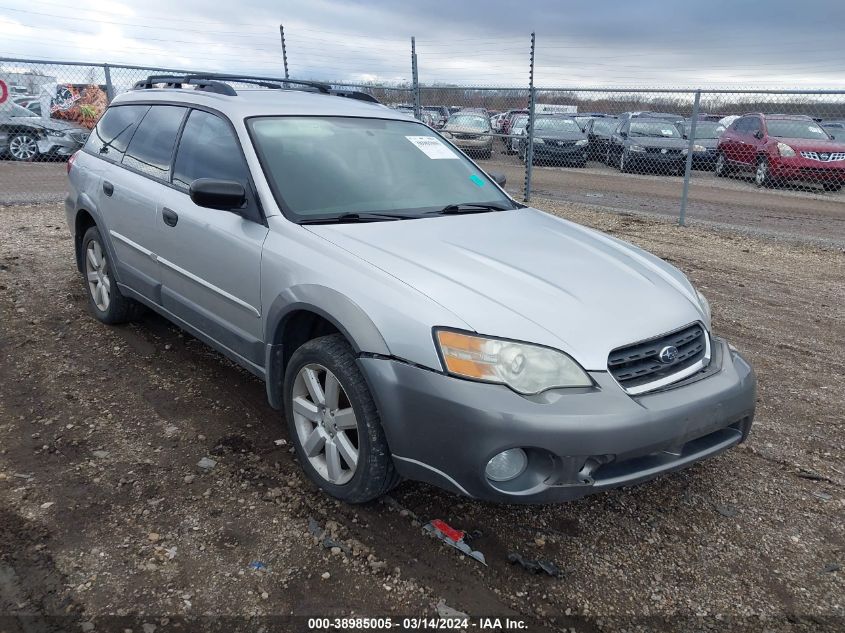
(699, 148)
(446, 135)
(685, 151)
(525, 368)
(705, 307)
(785, 150)
(539, 141)
(57, 133)
(636, 148)
(581, 143)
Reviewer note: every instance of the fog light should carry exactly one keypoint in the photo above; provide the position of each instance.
(507, 465)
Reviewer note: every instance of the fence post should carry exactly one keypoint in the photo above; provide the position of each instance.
(109, 86)
(529, 129)
(688, 167)
(415, 78)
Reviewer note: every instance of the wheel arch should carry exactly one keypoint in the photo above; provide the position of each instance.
(305, 312)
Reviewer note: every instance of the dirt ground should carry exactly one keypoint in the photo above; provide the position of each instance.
(108, 523)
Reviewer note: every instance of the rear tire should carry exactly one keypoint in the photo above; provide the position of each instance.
(346, 424)
(105, 301)
(832, 186)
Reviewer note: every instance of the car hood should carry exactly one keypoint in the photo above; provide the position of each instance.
(812, 145)
(657, 141)
(45, 124)
(457, 129)
(558, 135)
(709, 143)
(529, 276)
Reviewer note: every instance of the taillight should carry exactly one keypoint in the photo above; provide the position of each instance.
(70, 161)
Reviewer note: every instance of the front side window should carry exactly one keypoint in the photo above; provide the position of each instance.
(796, 128)
(322, 167)
(208, 149)
(114, 131)
(151, 148)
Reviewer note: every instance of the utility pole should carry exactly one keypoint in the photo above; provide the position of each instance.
(415, 78)
(284, 50)
(529, 130)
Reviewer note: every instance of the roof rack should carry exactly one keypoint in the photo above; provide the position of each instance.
(213, 82)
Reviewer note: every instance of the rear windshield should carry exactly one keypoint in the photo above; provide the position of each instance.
(654, 128)
(796, 128)
(322, 167)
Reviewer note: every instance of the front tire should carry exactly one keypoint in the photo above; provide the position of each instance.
(722, 170)
(334, 424)
(105, 301)
(763, 173)
(624, 162)
(23, 147)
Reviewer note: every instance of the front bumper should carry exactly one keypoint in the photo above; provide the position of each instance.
(809, 170)
(58, 146)
(444, 430)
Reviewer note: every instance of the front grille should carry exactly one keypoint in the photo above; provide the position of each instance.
(466, 136)
(824, 157)
(638, 365)
(663, 151)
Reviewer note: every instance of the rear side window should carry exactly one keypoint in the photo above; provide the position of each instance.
(114, 131)
(151, 148)
(208, 149)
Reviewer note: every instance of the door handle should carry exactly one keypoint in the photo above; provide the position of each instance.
(169, 216)
(108, 188)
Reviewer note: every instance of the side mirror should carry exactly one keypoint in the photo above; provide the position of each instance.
(758, 134)
(623, 134)
(225, 195)
(498, 177)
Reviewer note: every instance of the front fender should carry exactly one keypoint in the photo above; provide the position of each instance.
(347, 316)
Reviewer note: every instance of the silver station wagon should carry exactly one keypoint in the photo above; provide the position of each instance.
(409, 318)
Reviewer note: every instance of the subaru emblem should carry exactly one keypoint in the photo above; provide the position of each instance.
(668, 354)
(664, 151)
(824, 156)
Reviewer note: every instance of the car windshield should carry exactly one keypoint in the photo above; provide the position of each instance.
(556, 125)
(323, 167)
(654, 128)
(705, 129)
(474, 121)
(796, 128)
(604, 126)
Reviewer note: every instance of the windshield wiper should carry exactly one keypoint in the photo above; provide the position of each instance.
(468, 207)
(349, 218)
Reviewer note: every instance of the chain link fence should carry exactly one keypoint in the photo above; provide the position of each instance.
(706, 154)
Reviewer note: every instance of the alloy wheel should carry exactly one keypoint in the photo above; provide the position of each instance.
(325, 423)
(97, 275)
(762, 173)
(720, 165)
(23, 147)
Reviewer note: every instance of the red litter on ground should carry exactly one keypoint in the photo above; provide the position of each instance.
(454, 538)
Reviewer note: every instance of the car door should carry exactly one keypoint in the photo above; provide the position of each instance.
(126, 199)
(210, 259)
(617, 142)
(732, 139)
(751, 141)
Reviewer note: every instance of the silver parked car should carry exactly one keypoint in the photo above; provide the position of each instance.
(25, 136)
(408, 317)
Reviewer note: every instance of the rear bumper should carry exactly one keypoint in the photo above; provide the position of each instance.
(443, 430)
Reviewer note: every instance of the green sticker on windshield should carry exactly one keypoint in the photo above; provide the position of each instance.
(478, 181)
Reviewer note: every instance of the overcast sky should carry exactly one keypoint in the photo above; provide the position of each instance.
(619, 42)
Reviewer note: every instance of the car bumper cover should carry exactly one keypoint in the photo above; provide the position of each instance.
(444, 430)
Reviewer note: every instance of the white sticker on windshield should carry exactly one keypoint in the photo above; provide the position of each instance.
(667, 132)
(432, 147)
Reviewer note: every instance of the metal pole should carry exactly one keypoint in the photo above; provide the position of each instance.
(284, 50)
(529, 129)
(688, 166)
(415, 78)
(109, 85)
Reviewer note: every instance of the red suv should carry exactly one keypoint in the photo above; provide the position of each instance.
(781, 147)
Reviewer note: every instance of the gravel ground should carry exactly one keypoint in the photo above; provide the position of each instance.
(105, 513)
